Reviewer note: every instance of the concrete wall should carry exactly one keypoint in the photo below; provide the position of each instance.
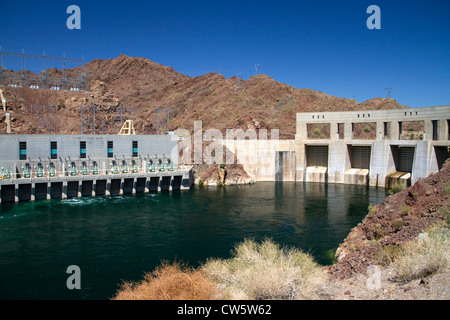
(261, 158)
(38, 146)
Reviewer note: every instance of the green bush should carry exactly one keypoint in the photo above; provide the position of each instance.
(395, 188)
(405, 210)
(388, 254)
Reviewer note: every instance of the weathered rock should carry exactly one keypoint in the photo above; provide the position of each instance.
(394, 222)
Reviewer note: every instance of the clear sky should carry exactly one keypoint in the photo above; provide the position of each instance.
(322, 45)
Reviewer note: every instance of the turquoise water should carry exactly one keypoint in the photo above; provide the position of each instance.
(120, 237)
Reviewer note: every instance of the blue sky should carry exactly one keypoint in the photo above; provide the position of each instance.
(321, 45)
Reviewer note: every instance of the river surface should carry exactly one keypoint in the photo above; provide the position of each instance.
(118, 238)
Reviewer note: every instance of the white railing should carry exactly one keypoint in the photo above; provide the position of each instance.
(29, 169)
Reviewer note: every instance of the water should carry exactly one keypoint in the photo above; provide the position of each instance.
(119, 238)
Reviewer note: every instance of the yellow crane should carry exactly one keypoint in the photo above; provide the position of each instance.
(127, 128)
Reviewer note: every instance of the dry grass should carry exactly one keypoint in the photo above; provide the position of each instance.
(169, 282)
(266, 271)
(423, 257)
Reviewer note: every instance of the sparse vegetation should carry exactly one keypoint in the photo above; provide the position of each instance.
(388, 254)
(377, 232)
(399, 224)
(395, 188)
(371, 210)
(447, 189)
(405, 210)
(423, 257)
(255, 271)
(169, 282)
(266, 271)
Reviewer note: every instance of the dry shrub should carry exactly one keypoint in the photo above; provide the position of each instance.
(169, 282)
(423, 257)
(266, 271)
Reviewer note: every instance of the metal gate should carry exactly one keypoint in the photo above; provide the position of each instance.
(317, 156)
(360, 157)
(405, 159)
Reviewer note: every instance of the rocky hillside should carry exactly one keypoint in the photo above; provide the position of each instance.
(261, 101)
(399, 219)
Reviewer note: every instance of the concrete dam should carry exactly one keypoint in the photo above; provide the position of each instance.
(328, 148)
(35, 167)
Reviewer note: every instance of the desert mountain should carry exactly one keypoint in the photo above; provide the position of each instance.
(259, 102)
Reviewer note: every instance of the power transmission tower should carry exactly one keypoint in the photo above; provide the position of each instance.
(162, 123)
(87, 119)
(124, 111)
(388, 92)
(256, 69)
(43, 81)
(239, 82)
(44, 117)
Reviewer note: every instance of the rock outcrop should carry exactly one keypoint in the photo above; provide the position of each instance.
(215, 175)
(397, 220)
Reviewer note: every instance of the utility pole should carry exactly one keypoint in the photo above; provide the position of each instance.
(388, 91)
(239, 82)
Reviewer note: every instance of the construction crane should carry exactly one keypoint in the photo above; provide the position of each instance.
(127, 128)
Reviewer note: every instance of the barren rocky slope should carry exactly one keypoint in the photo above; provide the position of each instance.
(262, 102)
(397, 220)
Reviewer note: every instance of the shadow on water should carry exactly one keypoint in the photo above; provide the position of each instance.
(120, 237)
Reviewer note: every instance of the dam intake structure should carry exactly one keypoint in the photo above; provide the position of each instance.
(36, 167)
(370, 147)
